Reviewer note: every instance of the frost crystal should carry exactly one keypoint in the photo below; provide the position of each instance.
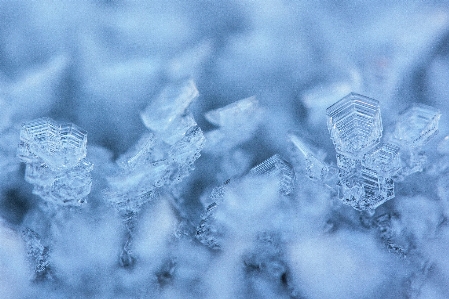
(278, 168)
(37, 254)
(415, 127)
(238, 122)
(355, 124)
(54, 153)
(162, 157)
(315, 168)
(365, 166)
(166, 115)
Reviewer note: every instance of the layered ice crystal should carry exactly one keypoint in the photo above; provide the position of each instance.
(355, 124)
(58, 145)
(366, 166)
(164, 155)
(414, 128)
(417, 125)
(278, 168)
(54, 153)
(166, 115)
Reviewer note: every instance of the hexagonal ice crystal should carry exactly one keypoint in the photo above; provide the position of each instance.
(417, 125)
(58, 145)
(355, 124)
(54, 153)
(384, 159)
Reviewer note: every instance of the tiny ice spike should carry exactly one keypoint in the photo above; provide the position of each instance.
(55, 156)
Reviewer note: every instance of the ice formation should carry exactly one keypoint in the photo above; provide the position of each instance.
(54, 154)
(209, 170)
(163, 156)
(368, 167)
(275, 169)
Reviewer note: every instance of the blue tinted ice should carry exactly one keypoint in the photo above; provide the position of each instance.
(384, 159)
(315, 168)
(58, 145)
(164, 155)
(417, 125)
(166, 114)
(37, 255)
(237, 123)
(366, 166)
(54, 153)
(280, 170)
(355, 124)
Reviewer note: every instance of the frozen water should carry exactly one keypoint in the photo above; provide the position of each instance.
(58, 145)
(278, 169)
(37, 255)
(161, 222)
(54, 153)
(355, 124)
(315, 168)
(165, 115)
(237, 123)
(417, 125)
(384, 159)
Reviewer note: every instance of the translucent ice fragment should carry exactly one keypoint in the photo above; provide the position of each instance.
(365, 190)
(69, 187)
(167, 110)
(384, 159)
(280, 169)
(315, 168)
(355, 124)
(145, 170)
(140, 154)
(240, 111)
(73, 185)
(37, 254)
(417, 125)
(54, 153)
(208, 231)
(59, 145)
(238, 122)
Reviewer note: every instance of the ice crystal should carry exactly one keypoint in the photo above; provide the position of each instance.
(237, 123)
(355, 124)
(280, 170)
(313, 165)
(417, 125)
(367, 167)
(37, 254)
(162, 157)
(54, 153)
